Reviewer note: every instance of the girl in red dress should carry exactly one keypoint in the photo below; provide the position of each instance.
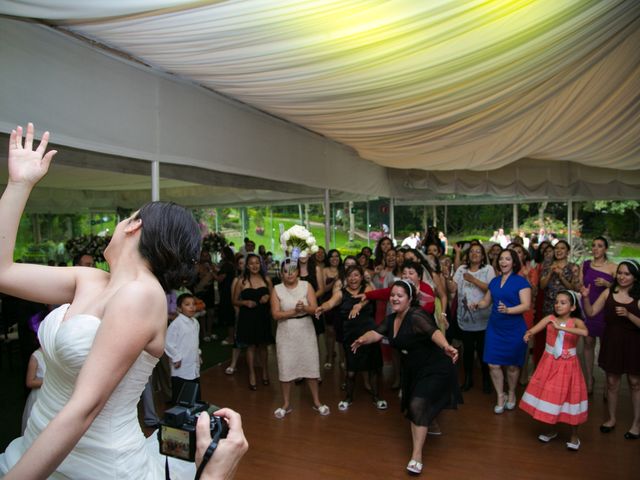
(557, 391)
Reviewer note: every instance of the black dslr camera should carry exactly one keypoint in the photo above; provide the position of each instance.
(177, 432)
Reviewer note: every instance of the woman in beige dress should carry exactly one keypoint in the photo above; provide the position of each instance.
(293, 303)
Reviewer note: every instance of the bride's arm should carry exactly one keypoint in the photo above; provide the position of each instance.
(51, 285)
(134, 318)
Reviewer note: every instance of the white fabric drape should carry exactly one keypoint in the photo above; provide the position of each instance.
(84, 9)
(510, 87)
(412, 84)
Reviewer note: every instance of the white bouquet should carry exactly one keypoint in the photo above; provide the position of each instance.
(298, 242)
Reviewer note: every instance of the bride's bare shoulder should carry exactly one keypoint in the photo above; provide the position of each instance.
(140, 298)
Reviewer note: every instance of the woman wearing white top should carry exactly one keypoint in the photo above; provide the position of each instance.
(471, 282)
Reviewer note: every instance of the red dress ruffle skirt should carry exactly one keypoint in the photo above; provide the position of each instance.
(557, 392)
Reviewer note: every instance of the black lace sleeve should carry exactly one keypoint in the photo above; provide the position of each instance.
(423, 323)
(383, 328)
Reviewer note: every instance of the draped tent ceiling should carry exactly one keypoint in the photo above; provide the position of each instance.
(438, 101)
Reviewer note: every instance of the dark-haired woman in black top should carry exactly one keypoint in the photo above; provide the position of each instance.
(429, 382)
(251, 295)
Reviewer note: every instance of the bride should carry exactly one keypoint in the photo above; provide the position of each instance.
(103, 341)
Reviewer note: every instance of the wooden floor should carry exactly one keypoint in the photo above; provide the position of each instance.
(365, 443)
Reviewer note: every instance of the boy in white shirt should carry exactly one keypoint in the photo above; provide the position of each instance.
(181, 345)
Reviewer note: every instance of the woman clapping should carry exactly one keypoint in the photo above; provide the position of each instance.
(293, 303)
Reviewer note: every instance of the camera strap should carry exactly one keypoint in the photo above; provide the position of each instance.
(208, 453)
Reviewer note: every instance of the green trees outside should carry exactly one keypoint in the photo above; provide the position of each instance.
(42, 236)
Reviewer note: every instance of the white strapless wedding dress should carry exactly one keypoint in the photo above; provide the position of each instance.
(114, 446)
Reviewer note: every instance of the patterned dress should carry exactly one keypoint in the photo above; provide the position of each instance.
(555, 285)
(557, 391)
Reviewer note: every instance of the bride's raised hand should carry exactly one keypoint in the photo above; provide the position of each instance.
(26, 165)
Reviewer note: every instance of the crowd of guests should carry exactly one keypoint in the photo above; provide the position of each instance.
(514, 307)
(509, 310)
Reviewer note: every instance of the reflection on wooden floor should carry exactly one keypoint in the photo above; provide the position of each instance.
(365, 443)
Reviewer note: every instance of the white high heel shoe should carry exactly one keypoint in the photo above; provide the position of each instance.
(499, 408)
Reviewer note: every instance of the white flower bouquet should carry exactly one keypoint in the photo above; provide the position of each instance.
(298, 242)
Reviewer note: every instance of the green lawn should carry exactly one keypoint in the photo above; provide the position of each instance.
(339, 239)
(271, 237)
(630, 251)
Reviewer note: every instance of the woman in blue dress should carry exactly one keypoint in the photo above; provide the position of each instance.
(510, 295)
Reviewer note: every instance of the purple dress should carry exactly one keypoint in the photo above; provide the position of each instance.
(596, 323)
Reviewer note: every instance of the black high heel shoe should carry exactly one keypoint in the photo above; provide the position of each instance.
(253, 386)
(606, 428)
(468, 383)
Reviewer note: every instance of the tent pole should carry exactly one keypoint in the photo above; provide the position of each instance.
(392, 220)
(273, 244)
(425, 217)
(569, 226)
(435, 216)
(368, 226)
(444, 227)
(155, 181)
(327, 213)
(333, 225)
(352, 222)
(515, 217)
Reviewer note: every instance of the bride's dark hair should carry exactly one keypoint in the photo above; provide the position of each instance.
(170, 242)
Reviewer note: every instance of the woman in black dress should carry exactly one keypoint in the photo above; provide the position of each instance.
(251, 296)
(310, 272)
(332, 273)
(368, 359)
(226, 313)
(620, 347)
(429, 382)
